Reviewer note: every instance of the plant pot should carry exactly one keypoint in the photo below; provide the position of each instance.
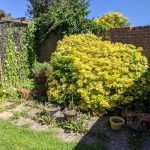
(38, 91)
(116, 123)
(145, 117)
(27, 93)
(41, 79)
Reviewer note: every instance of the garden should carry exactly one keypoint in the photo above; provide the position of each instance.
(91, 94)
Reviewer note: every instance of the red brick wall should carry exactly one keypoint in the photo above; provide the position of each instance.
(138, 36)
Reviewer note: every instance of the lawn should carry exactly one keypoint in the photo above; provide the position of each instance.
(21, 138)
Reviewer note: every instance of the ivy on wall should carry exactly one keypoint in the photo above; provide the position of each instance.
(20, 56)
(11, 77)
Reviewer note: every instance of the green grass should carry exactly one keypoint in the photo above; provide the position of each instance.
(18, 138)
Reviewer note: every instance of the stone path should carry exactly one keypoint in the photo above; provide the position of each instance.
(33, 112)
(5, 115)
(19, 108)
(6, 104)
(22, 120)
(98, 126)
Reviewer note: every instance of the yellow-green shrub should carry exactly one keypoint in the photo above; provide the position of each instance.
(95, 75)
(112, 20)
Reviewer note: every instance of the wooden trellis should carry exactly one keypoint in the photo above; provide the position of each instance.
(18, 21)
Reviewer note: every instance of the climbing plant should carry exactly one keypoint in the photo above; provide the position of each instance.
(19, 60)
(11, 70)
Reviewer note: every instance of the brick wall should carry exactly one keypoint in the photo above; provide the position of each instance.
(138, 36)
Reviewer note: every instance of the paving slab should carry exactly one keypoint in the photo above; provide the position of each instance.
(6, 104)
(38, 127)
(6, 115)
(19, 108)
(33, 112)
(22, 121)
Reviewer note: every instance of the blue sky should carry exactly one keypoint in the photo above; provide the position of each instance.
(138, 11)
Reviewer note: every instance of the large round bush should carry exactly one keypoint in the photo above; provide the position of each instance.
(96, 75)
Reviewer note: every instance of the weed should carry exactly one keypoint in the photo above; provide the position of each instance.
(18, 114)
(75, 125)
(45, 117)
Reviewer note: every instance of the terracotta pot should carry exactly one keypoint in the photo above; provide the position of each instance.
(26, 93)
(42, 80)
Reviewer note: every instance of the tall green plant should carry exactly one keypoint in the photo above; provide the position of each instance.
(60, 17)
(19, 60)
(28, 43)
(11, 69)
(37, 7)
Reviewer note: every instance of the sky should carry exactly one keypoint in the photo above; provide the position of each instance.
(138, 11)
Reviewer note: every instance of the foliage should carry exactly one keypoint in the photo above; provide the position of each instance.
(45, 118)
(39, 69)
(38, 7)
(2, 11)
(112, 20)
(99, 30)
(19, 59)
(11, 69)
(29, 44)
(19, 114)
(28, 84)
(97, 76)
(61, 17)
(73, 124)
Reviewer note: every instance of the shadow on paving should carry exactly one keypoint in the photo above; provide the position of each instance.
(101, 137)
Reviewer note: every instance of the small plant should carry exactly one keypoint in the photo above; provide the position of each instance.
(18, 101)
(28, 84)
(30, 89)
(2, 109)
(18, 114)
(39, 69)
(75, 125)
(45, 118)
(33, 104)
(135, 124)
